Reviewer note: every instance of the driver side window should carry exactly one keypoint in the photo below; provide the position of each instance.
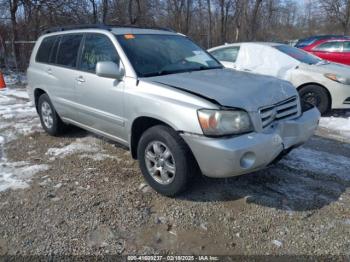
(97, 48)
(228, 54)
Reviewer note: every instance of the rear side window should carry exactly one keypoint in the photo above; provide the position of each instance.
(97, 48)
(44, 51)
(329, 47)
(228, 54)
(68, 50)
(53, 54)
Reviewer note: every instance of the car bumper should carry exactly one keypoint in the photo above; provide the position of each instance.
(225, 157)
(340, 96)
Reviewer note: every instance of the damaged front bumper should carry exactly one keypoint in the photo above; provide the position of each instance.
(225, 157)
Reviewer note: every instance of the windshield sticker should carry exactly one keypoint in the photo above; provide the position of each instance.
(129, 36)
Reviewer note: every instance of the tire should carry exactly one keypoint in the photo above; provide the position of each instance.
(181, 160)
(50, 120)
(317, 96)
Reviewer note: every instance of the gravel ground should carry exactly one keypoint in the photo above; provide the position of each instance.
(82, 194)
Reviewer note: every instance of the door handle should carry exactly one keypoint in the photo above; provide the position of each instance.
(49, 71)
(80, 79)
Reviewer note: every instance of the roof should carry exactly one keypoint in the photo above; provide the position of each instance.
(246, 43)
(335, 39)
(116, 29)
(319, 37)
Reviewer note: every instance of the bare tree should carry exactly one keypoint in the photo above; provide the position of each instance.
(254, 19)
(104, 11)
(338, 11)
(94, 11)
(14, 4)
(210, 23)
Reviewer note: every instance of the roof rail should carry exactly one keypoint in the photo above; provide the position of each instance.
(99, 26)
(74, 27)
(141, 27)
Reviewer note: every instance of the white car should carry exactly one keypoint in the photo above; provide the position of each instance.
(321, 83)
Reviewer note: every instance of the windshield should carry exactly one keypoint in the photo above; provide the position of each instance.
(298, 54)
(152, 54)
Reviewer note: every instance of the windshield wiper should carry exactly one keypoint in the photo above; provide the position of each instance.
(165, 72)
(184, 70)
(206, 68)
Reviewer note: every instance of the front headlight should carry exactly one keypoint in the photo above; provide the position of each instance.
(338, 78)
(224, 122)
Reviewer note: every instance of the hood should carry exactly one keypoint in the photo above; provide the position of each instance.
(332, 68)
(230, 88)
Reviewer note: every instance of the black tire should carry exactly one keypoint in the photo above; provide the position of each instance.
(184, 161)
(57, 126)
(317, 96)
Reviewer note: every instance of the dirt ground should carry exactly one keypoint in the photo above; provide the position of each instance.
(82, 194)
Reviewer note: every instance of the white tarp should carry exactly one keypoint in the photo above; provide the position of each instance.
(265, 59)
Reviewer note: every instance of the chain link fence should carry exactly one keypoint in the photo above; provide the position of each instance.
(8, 58)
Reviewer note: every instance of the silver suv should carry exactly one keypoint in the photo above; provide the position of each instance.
(174, 105)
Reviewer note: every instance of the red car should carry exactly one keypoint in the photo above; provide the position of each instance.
(334, 49)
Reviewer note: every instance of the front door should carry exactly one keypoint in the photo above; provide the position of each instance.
(100, 99)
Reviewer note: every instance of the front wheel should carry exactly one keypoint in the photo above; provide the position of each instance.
(165, 160)
(317, 96)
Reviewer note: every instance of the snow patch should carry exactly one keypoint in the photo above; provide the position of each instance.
(99, 157)
(17, 116)
(338, 124)
(17, 175)
(18, 93)
(81, 145)
(18, 111)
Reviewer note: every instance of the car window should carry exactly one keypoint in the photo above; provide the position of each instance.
(228, 54)
(43, 54)
(346, 46)
(53, 53)
(332, 46)
(68, 50)
(97, 48)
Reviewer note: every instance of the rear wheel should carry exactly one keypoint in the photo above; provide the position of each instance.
(165, 160)
(317, 96)
(49, 118)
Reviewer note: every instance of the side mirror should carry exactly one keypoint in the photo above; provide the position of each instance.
(109, 70)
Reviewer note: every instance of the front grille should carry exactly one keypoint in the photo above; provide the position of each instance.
(284, 110)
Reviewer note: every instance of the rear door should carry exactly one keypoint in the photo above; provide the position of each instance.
(62, 69)
(100, 99)
(227, 56)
